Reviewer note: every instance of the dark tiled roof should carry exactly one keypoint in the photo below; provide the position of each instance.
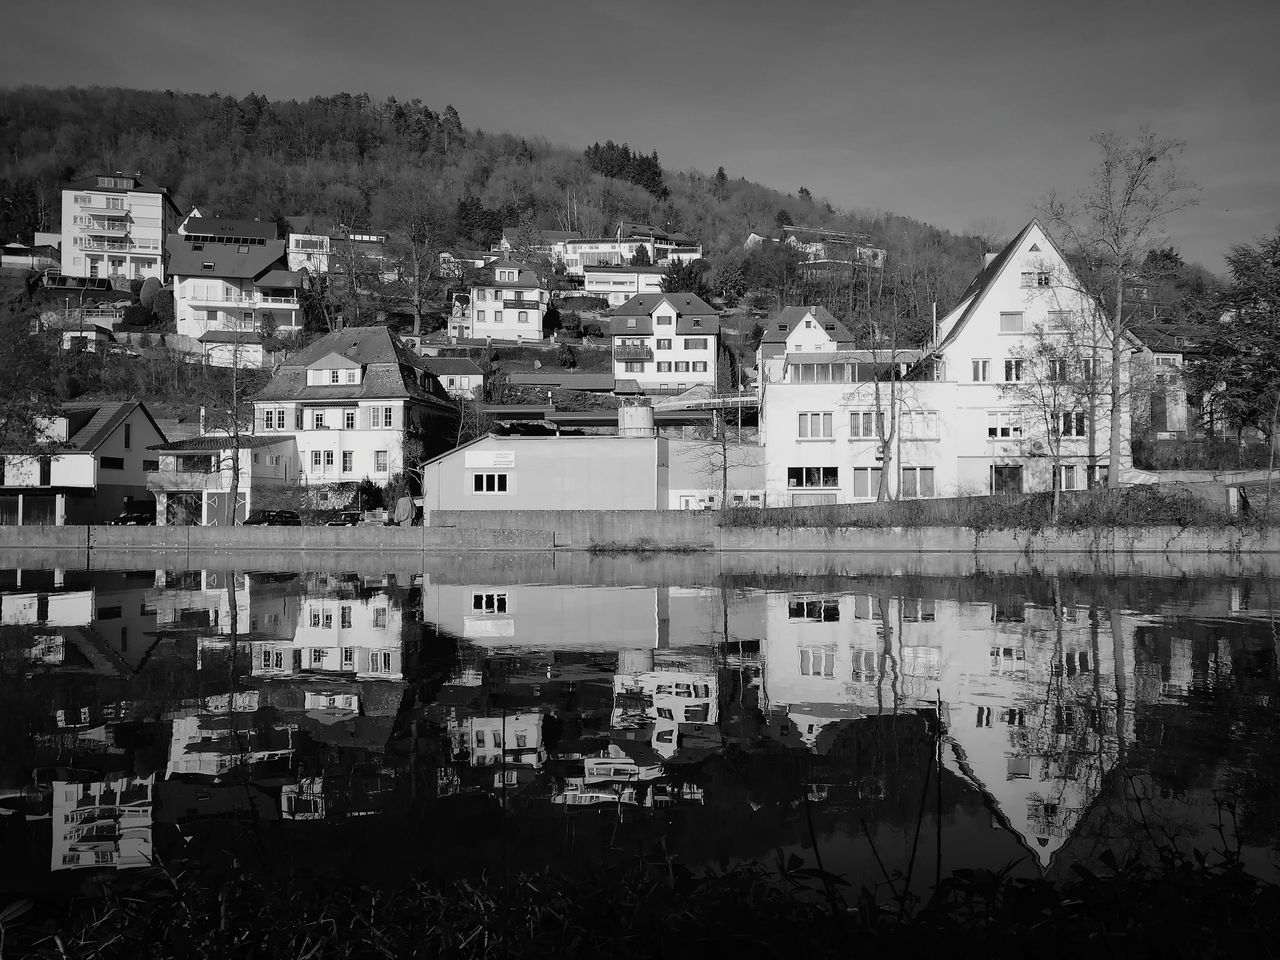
(229, 336)
(591, 382)
(455, 366)
(643, 304)
(525, 278)
(226, 259)
(689, 308)
(219, 443)
(280, 278)
(1174, 337)
(790, 317)
(228, 227)
(141, 184)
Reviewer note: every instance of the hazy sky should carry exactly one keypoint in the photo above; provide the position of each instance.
(955, 113)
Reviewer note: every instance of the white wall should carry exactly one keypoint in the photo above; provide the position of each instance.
(150, 221)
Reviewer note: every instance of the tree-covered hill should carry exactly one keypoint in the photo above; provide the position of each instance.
(345, 158)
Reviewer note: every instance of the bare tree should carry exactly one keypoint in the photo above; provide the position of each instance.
(720, 454)
(1110, 227)
(228, 411)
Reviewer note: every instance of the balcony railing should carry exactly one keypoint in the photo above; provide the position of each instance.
(117, 246)
(184, 480)
(240, 300)
(100, 208)
(520, 305)
(632, 352)
(107, 226)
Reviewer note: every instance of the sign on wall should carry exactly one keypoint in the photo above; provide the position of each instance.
(490, 459)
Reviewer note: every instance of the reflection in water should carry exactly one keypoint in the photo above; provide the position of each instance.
(146, 711)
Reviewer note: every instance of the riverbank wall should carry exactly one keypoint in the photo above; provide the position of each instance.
(643, 530)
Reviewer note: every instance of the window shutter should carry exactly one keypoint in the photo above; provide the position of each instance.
(397, 416)
(368, 418)
(297, 418)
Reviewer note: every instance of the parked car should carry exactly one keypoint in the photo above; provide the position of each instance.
(348, 518)
(272, 518)
(134, 518)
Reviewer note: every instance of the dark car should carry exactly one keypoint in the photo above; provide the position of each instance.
(348, 518)
(272, 518)
(134, 518)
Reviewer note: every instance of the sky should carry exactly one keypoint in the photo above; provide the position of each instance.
(959, 114)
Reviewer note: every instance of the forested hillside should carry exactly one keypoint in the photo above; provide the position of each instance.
(347, 158)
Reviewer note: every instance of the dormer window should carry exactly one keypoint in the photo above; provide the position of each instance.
(334, 376)
(197, 246)
(353, 376)
(782, 328)
(697, 322)
(207, 267)
(631, 322)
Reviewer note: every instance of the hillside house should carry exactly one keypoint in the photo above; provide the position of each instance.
(114, 226)
(664, 343)
(509, 303)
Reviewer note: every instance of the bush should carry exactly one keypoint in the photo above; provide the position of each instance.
(593, 330)
(571, 324)
(566, 356)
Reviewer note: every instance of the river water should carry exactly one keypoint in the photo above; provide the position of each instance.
(383, 717)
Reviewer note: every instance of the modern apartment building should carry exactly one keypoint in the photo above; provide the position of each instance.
(115, 226)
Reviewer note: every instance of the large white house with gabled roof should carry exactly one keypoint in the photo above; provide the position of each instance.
(664, 343)
(351, 400)
(508, 304)
(962, 421)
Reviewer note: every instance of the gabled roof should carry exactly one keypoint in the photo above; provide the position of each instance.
(973, 295)
(227, 260)
(103, 417)
(334, 360)
(290, 279)
(391, 370)
(643, 305)
(219, 442)
(790, 318)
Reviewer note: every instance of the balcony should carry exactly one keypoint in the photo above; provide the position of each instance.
(632, 352)
(521, 305)
(108, 227)
(236, 299)
(184, 480)
(98, 207)
(117, 246)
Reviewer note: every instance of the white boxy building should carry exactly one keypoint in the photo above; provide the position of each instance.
(965, 418)
(115, 226)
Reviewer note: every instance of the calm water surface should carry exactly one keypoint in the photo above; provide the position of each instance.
(391, 721)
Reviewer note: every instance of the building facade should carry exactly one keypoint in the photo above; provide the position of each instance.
(619, 284)
(986, 408)
(351, 400)
(665, 343)
(95, 467)
(192, 480)
(508, 305)
(115, 226)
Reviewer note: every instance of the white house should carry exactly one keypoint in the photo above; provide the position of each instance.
(459, 376)
(960, 412)
(115, 226)
(310, 252)
(799, 330)
(619, 284)
(231, 283)
(192, 479)
(665, 342)
(95, 467)
(661, 246)
(508, 305)
(349, 399)
(338, 636)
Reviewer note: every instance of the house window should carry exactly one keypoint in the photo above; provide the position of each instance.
(316, 457)
(865, 424)
(814, 426)
(489, 483)
(1069, 477)
(1092, 369)
(985, 715)
(633, 366)
(523, 317)
(328, 619)
(817, 662)
(128, 435)
(866, 482)
(1035, 278)
(348, 420)
(328, 461)
(919, 424)
(345, 618)
(664, 344)
(112, 463)
(682, 366)
(480, 738)
(981, 371)
(481, 295)
(489, 602)
(207, 267)
(381, 417)
(813, 476)
(317, 657)
(1011, 323)
(1013, 371)
(1057, 370)
(663, 320)
(352, 376)
(695, 343)
(348, 461)
(1004, 424)
(1071, 423)
(479, 316)
(317, 420)
(1059, 321)
(334, 376)
(380, 461)
(497, 316)
(699, 366)
(804, 608)
(664, 366)
(916, 482)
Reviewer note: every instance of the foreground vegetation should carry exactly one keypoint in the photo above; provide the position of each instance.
(1098, 509)
(1183, 907)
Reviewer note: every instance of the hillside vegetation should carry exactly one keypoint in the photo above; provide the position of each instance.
(346, 158)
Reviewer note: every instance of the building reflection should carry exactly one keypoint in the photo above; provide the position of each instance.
(173, 697)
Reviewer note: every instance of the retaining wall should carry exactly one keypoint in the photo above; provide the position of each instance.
(317, 539)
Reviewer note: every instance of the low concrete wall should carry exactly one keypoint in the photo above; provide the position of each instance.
(317, 539)
(583, 528)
